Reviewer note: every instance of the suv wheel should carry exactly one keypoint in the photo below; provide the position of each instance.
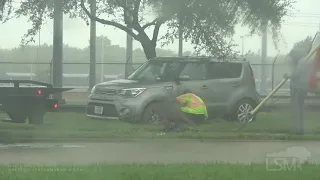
(241, 111)
(152, 114)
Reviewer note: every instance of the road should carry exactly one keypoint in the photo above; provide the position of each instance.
(152, 151)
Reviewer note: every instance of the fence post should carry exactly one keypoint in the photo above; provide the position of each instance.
(50, 71)
(272, 80)
(273, 63)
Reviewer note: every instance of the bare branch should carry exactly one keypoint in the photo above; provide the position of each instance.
(106, 22)
(150, 24)
(157, 21)
(156, 33)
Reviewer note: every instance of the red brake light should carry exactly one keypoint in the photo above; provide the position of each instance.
(56, 106)
(39, 92)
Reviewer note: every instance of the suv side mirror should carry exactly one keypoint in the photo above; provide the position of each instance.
(181, 78)
(184, 78)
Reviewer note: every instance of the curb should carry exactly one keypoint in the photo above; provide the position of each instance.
(266, 108)
(110, 140)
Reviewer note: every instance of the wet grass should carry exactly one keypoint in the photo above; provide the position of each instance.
(158, 172)
(65, 126)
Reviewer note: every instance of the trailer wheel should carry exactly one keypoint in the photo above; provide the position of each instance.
(17, 118)
(36, 112)
(36, 118)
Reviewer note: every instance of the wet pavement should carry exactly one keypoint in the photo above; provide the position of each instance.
(153, 151)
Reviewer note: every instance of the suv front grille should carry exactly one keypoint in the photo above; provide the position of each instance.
(105, 91)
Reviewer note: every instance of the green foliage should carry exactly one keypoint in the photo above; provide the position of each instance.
(5, 9)
(208, 24)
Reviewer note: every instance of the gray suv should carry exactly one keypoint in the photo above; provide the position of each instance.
(227, 88)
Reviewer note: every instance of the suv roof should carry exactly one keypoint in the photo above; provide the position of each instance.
(196, 58)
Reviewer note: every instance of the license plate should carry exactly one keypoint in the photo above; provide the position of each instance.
(98, 109)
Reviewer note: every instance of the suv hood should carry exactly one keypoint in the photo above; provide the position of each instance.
(125, 83)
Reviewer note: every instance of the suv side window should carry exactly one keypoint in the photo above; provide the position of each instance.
(171, 71)
(223, 70)
(196, 71)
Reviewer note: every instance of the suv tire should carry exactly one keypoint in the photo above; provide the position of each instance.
(152, 113)
(242, 107)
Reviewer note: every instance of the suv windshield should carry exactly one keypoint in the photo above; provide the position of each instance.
(153, 70)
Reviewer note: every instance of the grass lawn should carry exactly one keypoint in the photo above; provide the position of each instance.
(273, 125)
(157, 172)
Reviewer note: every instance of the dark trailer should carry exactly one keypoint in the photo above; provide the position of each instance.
(31, 100)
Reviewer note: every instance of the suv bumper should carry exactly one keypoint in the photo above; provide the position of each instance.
(52, 105)
(113, 110)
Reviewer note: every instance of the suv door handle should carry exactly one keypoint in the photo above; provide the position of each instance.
(235, 85)
(204, 87)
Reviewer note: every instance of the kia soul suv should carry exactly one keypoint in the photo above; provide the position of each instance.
(227, 88)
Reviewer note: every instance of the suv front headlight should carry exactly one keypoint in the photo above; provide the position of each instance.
(93, 89)
(131, 92)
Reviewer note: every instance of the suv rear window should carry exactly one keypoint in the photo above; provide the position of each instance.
(223, 70)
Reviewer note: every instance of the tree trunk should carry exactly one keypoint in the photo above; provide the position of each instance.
(148, 46)
(149, 49)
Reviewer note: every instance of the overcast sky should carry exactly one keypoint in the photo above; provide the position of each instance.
(305, 23)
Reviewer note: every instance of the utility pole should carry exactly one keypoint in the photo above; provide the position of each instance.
(38, 53)
(242, 39)
(129, 52)
(92, 70)
(263, 84)
(180, 35)
(102, 58)
(57, 46)
(180, 30)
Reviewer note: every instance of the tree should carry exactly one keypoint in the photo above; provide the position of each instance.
(5, 5)
(208, 24)
(300, 49)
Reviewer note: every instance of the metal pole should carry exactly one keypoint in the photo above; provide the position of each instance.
(242, 44)
(264, 57)
(31, 70)
(38, 51)
(272, 80)
(102, 59)
(129, 52)
(180, 36)
(57, 46)
(273, 63)
(92, 71)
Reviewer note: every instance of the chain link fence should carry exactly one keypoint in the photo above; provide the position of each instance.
(76, 75)
(274, 75)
